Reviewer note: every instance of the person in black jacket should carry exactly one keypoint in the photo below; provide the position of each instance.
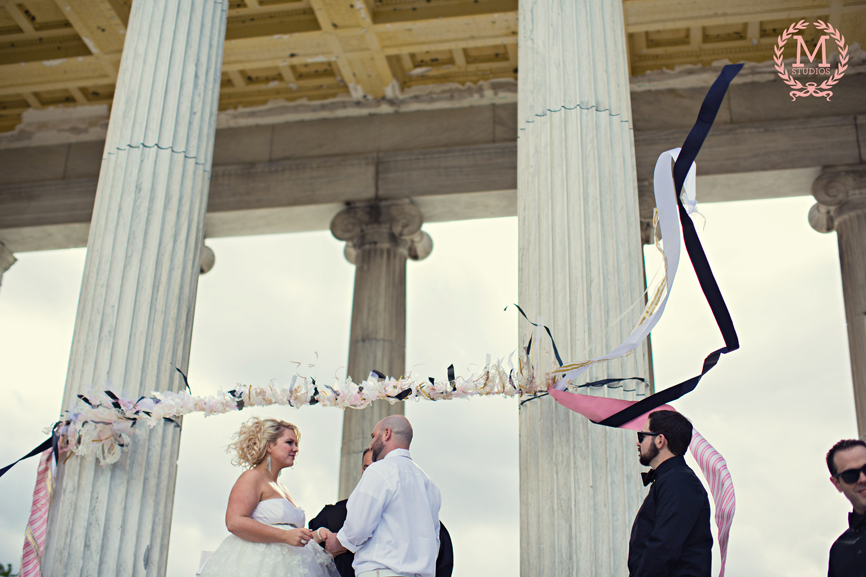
(671, 533)
(333, 516)
(847, 464)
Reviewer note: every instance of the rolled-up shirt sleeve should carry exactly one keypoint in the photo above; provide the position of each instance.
(364, 510)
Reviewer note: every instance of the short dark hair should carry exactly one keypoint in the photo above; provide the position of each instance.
(676, 428)
(841, 446)
(364, 454)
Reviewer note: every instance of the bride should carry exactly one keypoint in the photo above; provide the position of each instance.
(268, 536)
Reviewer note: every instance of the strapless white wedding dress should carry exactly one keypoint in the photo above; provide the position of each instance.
(236, 557)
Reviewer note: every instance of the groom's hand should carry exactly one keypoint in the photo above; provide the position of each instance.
(333, 545)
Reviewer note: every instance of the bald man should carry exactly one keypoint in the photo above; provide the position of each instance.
(392, 519)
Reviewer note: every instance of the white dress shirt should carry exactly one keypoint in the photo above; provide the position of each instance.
(392, 519)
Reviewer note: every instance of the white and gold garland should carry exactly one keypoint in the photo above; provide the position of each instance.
(101, 423)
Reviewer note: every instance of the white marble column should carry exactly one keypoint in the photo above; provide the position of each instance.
(7, 259)
(841, 196)
(581, 269)
(379, 237)
(135, 311)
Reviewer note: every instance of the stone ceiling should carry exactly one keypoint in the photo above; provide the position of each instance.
(67, 52)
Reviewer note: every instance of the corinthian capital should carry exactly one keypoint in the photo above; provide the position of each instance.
(390, 224)
(840, 191)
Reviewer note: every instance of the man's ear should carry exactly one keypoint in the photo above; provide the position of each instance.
(835, 482)
(387, 434)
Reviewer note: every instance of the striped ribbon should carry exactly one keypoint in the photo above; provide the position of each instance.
(715, 471)
(37, 525)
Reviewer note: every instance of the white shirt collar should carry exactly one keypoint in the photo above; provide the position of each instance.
(399, 453)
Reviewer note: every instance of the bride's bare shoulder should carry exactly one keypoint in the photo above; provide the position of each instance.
(250, 480)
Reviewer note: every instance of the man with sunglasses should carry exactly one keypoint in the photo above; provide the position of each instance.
(847, 464)
(671, 534)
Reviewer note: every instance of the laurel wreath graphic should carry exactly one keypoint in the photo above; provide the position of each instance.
(811, 88)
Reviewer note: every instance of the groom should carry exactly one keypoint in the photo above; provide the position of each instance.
(392, 521)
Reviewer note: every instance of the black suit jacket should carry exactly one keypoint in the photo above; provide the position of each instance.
(332, 517)
(671, 533)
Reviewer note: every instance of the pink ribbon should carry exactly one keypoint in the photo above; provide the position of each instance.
(37, 525)
(710, 461)
(715, 471)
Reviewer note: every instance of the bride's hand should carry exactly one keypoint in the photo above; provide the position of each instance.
(321, 534)
(298, 537)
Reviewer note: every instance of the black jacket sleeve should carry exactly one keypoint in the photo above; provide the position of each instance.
(320, 520)
(445, 560)
(678, 506)
(331, 517)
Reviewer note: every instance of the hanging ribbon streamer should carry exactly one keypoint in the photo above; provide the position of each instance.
(37, 524)
(633, 414)
(668, 184)
(715, 471)
(539, 325)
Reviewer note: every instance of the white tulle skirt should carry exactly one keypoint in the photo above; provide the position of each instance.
(238, 558)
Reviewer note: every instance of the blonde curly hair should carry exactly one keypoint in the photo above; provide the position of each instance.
(251, 442)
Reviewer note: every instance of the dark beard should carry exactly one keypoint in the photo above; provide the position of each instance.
(376, 448)
(645, 459)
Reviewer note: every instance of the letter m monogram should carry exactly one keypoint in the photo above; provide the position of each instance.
(801, 45)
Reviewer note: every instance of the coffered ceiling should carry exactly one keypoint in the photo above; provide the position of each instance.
(67, 52)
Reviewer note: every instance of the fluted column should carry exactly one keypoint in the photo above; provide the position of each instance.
(135, 312)
(581, 269)
(841, 196)
(646, 209)
(379, 237)
(7, 259)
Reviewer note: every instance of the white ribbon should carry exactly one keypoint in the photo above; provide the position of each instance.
(669, 222)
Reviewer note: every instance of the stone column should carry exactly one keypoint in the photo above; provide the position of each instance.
(7, 259)
(646, 209)
(135, 312)
(380, 237)
(581, 269)
(841, 196)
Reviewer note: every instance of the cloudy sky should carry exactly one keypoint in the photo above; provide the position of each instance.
(772, 409)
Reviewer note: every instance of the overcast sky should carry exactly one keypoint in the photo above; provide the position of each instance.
(772, 409)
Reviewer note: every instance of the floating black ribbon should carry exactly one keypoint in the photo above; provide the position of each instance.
(695, 250)
(185, 381)
(49, 443)
(529, 344)
(603, 382)
(668, 395)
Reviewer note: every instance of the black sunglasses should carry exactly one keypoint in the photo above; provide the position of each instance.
(641, 435)
(851, 476)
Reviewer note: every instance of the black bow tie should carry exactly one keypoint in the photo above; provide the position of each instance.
(648, 477)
